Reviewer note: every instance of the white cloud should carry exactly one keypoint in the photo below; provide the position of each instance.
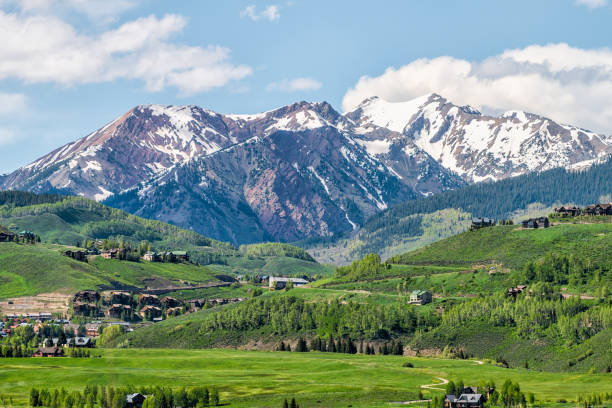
(101, 11)
(43, 48)
(270, 13)
(592, 3)
(12, 104)
(292, 85)
(567, 84)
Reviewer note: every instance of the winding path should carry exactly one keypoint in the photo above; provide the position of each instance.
(436, 385)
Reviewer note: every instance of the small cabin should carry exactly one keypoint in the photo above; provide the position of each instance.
(281, 283)
(478, 223)
(420, 297)
(534, 223)
(53, 351)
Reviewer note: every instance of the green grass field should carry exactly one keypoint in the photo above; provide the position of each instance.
(33, 269)
(264, 379)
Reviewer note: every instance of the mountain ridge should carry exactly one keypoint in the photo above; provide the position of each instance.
(293, 172)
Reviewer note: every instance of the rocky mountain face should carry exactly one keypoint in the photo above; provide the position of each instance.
(480, 147)
(300, 170)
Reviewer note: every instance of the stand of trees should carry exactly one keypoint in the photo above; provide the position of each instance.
(110, 397)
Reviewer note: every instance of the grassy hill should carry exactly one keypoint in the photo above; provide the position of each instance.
(62, 220)
(468, 274)
(27, 270)
(419, 222)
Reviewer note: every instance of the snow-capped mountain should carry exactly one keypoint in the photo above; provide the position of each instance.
(300, 170)
(480, 147)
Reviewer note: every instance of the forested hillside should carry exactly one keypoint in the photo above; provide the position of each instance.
(403, 227)
(562, 321)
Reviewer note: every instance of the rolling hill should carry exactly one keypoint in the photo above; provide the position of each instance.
(63, 222)
(565, 323)
(417, 223)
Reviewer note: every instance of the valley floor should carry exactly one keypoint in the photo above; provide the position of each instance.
(264, 379)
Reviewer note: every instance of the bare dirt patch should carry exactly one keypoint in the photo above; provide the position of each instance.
(43, 302)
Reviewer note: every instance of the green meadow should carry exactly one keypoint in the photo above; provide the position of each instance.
(264, 379)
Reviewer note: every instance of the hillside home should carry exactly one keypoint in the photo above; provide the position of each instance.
(53, 351)
(151, 300)
(181, 256)
(76, 255)
(478, 223)
(93, 330)
(169, 302)
(150, 312)
(280, 283)
(117, 309)
(84, 309)
(464, 401)
(80, 342)
(599, 209)
(134, 400)
(174, 311)
(86, 296)
(420, 297)
(568, 211)
(123, 298)
(152, 257)
(6, 235)
(541, 222)
(109, 253)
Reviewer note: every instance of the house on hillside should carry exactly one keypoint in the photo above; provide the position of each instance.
(76, 255)
(84, 309)
(169, 302)
(86, 296)
(420, 297)
(123, 298)
(568, 211)
(150, 312)
(110, 253)
(6, 235)
(181, 256)
(532, 223)
(152, 257)
(116, 310)
(80, 342)
(478, 223)
(280, 283)
(468, 398)
(53, 351)
(599, 209)
(134, 400)
(146, 299)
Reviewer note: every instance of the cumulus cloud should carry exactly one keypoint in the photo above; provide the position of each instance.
(101, 11)
(567, 84)
(270, 13)
(292, 85)
(591, 3)
(43, 48)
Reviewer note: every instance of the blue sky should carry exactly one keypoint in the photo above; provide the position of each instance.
(68, 67)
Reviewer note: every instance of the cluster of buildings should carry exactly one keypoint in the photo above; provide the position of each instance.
(594, 210)
(171, 256)
(420, 297)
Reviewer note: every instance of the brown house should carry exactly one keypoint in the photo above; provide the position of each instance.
(123, 298)
(117, 309)
(599, 209)
(109, 254)
(49, 352)
(151, 300)
(541, 222)
(514, 292)
(174, 311)
(85, 309)
(86, 296)
(150, 312)
(568, 211)
(169, 302)
(6, 235)
(76, 255)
